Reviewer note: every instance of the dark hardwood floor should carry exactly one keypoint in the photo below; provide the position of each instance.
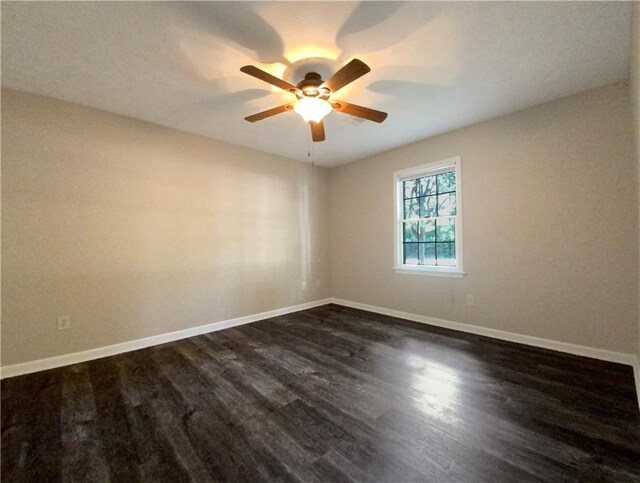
(328, 394)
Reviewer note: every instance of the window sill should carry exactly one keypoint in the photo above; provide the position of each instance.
(435, 272)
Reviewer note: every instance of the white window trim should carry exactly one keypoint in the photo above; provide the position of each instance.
(438, 271)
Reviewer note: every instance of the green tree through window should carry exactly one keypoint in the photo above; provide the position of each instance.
(429, 220)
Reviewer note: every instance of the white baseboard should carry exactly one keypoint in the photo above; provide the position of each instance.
(99, 352)
(605, 355)
(579, 350)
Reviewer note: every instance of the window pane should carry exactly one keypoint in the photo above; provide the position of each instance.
(427, 206)
(410, 188)
(427, 252)
(411, 208)
(410, 231)
(410, 253)
(446, 253)
(427, 185)
(447, 204)
(445, 230)
(447, 182)
(430, 209)
(427, 231)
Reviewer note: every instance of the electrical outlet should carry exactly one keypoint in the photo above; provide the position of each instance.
(471, 299)
(304, 285)
(64, 322)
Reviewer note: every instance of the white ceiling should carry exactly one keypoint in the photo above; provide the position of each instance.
(435, 66)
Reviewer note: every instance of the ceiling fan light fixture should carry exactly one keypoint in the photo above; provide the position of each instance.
(314, 96)
(312, 108)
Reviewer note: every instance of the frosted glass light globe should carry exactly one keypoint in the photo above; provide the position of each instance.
(312, 108)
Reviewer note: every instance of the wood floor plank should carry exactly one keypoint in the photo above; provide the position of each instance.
(327, 394)
(83, 454)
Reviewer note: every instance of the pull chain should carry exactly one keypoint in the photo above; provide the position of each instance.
(313, 162)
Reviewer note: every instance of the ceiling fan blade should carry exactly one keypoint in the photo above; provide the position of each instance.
(350, 72)
(269, 112)
(317, 131)
(268, 78)
(359, 111)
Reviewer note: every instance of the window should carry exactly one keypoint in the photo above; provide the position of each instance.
(428, 219)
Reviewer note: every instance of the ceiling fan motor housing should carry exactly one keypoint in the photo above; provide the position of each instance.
(310, 86)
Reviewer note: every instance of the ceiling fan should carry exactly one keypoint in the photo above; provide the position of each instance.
(313, 96)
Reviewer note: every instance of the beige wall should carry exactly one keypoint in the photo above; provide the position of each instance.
(635, 93)
(135, 230)
(550, 225)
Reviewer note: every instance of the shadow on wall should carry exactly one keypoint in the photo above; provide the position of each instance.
(242, 245)
(304, 223)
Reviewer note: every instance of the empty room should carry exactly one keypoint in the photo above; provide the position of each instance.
(320, 241)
